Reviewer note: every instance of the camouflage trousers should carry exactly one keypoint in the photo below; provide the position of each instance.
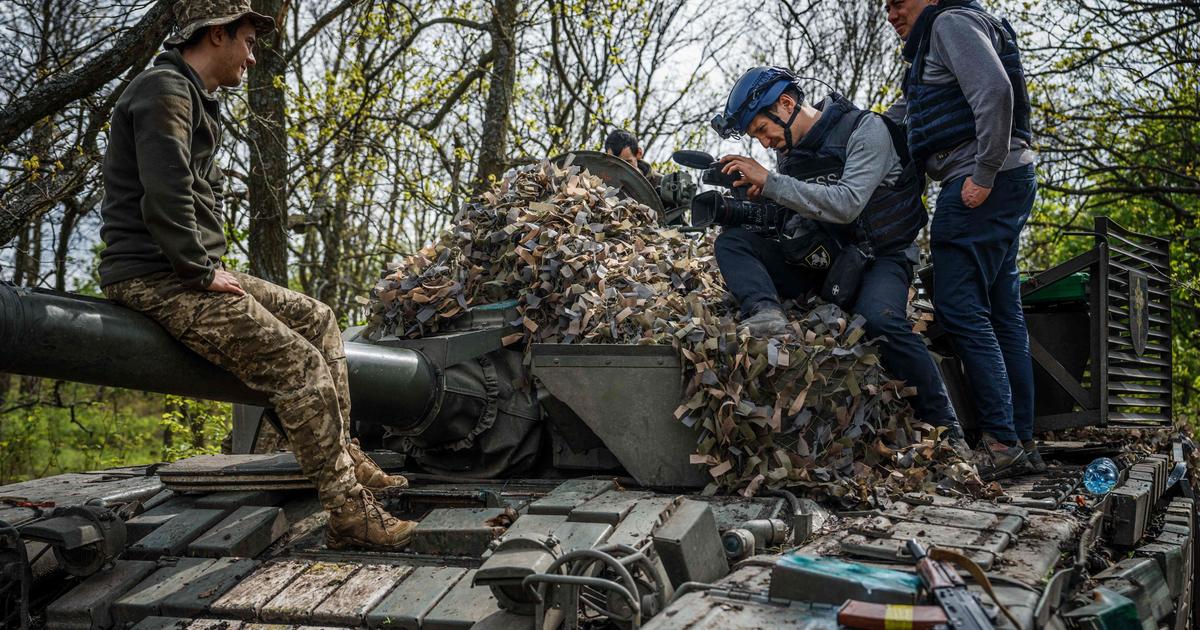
(277, 341)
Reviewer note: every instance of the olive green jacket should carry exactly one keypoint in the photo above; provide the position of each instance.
(162, 187)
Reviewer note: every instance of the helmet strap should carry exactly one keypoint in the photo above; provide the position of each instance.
(787, 126)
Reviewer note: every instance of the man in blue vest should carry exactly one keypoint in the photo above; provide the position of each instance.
(842, 183)
(967, 112)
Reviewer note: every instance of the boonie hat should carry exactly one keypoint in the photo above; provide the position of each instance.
(193, 15)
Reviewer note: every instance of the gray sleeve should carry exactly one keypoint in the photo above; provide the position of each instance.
(898, 111)
(870, 161)
(965, 44)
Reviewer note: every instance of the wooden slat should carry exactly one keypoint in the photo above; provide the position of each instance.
(408, 603)
(296, 603)
(247, 598)
(214, 624)
(347, 605)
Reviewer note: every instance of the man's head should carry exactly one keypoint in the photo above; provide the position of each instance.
(768, 126)
(624, 145)
(217, 37)
(766, 103)
(902, 14)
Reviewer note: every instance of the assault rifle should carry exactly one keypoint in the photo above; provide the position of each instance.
(963, 610)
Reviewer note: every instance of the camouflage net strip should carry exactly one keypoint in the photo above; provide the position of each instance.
(812, 410)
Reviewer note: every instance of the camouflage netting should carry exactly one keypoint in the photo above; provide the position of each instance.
(812, 411)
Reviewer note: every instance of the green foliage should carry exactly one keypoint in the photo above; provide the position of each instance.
(193, 427)
(75, 427)
(1118, 127)
(51, 427)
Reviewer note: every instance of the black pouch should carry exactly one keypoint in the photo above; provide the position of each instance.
(845, 276)
(811, 250)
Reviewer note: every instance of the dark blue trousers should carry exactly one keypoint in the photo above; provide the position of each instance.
(755, 273)
(977, 297)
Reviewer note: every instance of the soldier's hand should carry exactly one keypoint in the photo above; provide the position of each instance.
(225, 282)
(753, 173)
(973, 195)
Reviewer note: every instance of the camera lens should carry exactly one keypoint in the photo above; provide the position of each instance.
(705, 207)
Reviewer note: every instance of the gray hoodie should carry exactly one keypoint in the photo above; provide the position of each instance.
(965, 47)
(871, 161)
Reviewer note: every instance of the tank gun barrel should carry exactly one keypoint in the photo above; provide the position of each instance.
(76, 338)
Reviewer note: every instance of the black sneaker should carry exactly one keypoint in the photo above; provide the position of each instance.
(996, 460)
(767, 321)
(959, 446)
(1035, 462)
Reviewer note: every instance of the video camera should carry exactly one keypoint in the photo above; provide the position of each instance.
(710, 170)
(731, 209)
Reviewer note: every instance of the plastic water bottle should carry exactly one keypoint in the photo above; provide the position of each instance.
(1100, 476)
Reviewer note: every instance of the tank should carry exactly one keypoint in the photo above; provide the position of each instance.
(557, 490)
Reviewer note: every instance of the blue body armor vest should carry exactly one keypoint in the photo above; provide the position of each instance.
(939, 116)
(895, 214)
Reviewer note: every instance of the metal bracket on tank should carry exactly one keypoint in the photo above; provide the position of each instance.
(627, 395)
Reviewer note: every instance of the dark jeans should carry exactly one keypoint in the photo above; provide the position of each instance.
(756, 273)
(977, 297)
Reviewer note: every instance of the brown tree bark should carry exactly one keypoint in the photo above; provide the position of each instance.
(51, 96)
(267, 185)
(493, 145)
(130, 50)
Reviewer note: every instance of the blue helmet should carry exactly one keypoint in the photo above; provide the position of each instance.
(757, 89)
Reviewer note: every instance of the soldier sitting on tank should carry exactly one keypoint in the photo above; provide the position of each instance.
(164, 239)
(839, 216)
(623, 144)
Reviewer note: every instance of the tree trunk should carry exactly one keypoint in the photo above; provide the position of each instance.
(493, 143)
(268, 154)
(71, 214)
(21, 259)
(333, 233)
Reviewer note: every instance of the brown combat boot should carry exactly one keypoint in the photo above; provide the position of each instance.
(362, 523)
(368, 473)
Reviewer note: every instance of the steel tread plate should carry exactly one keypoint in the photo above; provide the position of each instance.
(245, 533)
(89, 604)
(146, 598)
(461, 607)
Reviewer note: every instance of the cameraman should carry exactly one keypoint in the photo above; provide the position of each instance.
(841, 186)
